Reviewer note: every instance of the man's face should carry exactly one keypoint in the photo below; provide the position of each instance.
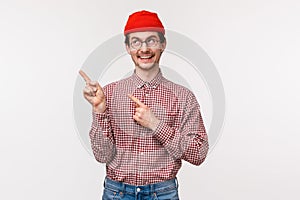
(146, 56)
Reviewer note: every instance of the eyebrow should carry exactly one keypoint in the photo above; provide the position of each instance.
(145, 39)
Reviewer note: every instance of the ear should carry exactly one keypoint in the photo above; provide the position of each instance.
(127, 48)
(163, 45)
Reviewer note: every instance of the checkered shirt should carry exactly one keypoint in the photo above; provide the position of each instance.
(137, 155)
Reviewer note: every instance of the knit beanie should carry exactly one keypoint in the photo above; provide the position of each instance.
(143, 21)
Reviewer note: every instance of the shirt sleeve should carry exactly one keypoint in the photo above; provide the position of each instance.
(188, 140)
(101, 137)
(101, 133)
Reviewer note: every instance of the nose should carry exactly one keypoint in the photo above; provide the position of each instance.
(144, 46)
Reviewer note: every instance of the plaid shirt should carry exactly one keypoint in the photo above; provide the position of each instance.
(137, 155)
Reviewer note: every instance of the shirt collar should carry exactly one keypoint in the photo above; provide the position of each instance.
(139, 83)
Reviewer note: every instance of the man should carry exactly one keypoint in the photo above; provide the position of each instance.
(144, 125)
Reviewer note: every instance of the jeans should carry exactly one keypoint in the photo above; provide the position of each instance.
(114, 190)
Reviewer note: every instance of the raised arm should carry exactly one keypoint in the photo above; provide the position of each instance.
(101, 133)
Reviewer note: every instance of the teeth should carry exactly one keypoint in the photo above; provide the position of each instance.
(143, 57)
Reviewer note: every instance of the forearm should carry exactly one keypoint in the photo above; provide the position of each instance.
(188, 145)
(102, 141)
(197, 151)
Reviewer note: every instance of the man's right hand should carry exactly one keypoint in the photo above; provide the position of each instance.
(94, 94)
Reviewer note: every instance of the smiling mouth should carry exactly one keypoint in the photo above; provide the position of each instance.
(146, 57)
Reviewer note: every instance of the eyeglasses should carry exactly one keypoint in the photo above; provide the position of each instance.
(150, 42)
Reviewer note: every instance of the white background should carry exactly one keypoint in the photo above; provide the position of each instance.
(254, 44)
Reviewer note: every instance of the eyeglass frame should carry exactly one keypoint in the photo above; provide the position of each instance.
(145, 41)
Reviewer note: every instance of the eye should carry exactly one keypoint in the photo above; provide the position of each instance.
(135, 42)
(151, 41)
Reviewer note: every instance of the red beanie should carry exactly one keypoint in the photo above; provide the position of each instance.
(143, 21)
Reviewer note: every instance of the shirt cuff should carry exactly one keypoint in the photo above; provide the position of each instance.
(100, 119)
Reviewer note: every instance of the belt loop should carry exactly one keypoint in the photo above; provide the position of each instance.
(176, 182)
(123, 187)
(152, 188)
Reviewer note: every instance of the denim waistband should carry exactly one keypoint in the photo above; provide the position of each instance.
(150, 188)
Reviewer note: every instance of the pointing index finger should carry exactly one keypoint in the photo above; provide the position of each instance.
(136, 100)
(84, 76)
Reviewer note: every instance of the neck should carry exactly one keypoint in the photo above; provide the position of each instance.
(147, 75)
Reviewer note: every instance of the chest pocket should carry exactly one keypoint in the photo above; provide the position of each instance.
(168, 114)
